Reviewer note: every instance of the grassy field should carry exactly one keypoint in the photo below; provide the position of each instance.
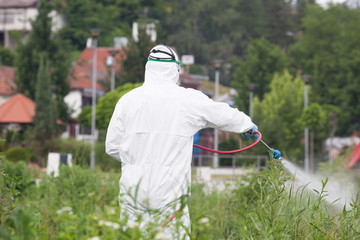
(83, 204)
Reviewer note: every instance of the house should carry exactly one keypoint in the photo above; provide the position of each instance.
(7, 84)
(16, 15)
(187, 81)
(80, 82)
(16, 111)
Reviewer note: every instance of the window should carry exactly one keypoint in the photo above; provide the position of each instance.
(6, 17)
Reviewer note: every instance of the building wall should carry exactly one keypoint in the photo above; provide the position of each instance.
(74, 102)
(19, 19)
(3, 99)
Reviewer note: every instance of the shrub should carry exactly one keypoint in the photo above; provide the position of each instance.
(18, 154)
(18, 175)
(80, 151)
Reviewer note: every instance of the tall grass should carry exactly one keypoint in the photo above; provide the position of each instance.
(266, 207)
(83, 203)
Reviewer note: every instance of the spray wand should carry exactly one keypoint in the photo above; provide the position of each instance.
(276, 154)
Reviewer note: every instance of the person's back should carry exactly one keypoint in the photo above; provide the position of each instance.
(156, 130)
(151, 132)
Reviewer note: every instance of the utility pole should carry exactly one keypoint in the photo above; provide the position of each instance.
(94, 33)
(113, 53)
(306, 79)
(217, 64)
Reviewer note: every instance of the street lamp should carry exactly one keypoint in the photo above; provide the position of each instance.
(217, 65)
(306, 78)
(94, 33)
(251, 87)
(113, 53)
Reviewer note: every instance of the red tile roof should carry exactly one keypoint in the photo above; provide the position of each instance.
(17, 109)
(81, 74)
(7, 83)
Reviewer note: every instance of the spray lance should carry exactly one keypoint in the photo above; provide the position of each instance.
(276, 154)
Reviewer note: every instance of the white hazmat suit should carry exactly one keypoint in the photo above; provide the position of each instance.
(151, 132)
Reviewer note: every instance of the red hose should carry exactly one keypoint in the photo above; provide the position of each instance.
(233, 151)
(217, 151)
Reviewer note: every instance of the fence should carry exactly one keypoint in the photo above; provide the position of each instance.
(230, 161)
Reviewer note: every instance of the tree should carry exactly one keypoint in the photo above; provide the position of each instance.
(278, 115)
(278, 22)
(329, 51)
(6, 56)
(41, 40)
(313, 117)
(133, 68)
(262, 61)
(113, 17)
(105, 107)
(44, 119)
(45, 110)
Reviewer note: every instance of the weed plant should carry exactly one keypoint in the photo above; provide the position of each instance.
(266, 207)
(83, 204)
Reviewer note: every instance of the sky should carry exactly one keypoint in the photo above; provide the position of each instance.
(325, 2)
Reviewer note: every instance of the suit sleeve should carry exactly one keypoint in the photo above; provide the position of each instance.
(205, 113)
(114, 131)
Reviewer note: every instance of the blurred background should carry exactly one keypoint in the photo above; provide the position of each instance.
(292, 65)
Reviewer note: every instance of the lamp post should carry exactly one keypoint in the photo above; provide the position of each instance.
(251, 87)
(306, 78)
(113, 53)
(94, 33)
(217, 65)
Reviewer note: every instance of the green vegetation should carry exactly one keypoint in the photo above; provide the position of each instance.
(83, 203)
(279, 115)
(105, 107)
(271, 43)
(41, 42)
(17, 154)
(256, 39)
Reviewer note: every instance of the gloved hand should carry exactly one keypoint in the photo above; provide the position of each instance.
(250, 134)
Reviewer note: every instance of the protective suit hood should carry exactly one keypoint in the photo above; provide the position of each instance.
(158, 72)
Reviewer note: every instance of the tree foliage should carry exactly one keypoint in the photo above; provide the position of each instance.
(7, 56)
(105, 107)
(330, 52)
(278, 114)
(222, 29)
(136, 58)
(27, 61)
(262, 61)
(113, 17)
(314, 116)
(45, 115)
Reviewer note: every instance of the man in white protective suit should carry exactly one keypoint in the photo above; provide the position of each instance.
(151, 132)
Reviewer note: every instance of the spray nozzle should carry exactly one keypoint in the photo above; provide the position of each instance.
(276, 154)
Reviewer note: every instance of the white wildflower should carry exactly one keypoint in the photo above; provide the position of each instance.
(204, 220)
(64, 209)
(94, 238)
(162, 235)
(132, 224)
(109, 224)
